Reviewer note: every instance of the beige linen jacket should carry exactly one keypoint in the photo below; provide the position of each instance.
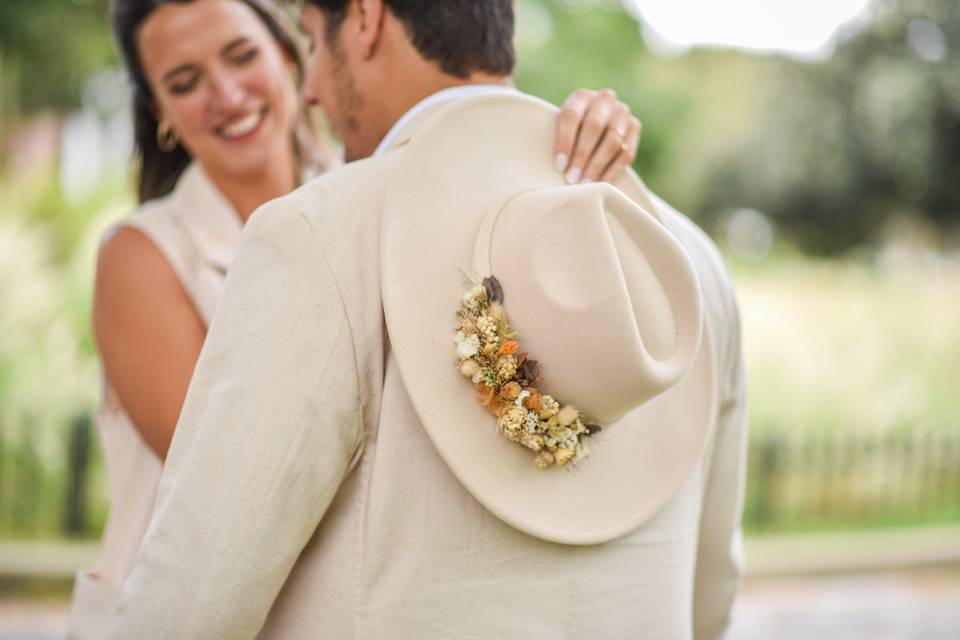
(302, 499)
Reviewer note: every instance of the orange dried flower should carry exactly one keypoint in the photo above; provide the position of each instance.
(532, 401)
(510, 391)
(508, 347)
(489, 399)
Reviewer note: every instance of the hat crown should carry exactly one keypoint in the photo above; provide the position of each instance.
(598, 291)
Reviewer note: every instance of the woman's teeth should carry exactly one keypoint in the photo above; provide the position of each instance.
(243, 126)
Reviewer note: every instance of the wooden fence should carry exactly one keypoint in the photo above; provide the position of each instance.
(823, 480)
(799, 482)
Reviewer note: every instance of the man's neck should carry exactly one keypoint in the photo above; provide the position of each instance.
(434, 85)
(418, 89)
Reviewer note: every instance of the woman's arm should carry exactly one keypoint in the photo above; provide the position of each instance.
(148, 333)
(597, 136)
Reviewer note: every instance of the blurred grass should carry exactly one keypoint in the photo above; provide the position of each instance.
(871, 343)
(48, 371)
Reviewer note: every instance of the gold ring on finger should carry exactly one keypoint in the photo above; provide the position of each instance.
(621, 132)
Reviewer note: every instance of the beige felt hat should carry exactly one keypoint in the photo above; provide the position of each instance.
(598, 291)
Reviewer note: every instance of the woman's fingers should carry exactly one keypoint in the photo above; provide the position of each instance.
(596, 138)
(627, 152)
(613, 142)
(593, 124)
(568, 124)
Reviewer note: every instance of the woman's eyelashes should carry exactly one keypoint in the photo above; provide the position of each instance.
(243, 57)
(185, 85)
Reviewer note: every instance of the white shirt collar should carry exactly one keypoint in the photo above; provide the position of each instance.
(444, 95)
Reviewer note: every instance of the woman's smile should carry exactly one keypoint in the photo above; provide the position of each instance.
(243, 127)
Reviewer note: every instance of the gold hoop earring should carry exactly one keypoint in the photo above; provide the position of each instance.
(167, 136)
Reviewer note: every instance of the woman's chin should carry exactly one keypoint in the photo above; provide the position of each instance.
(254, 170)
(251, 162)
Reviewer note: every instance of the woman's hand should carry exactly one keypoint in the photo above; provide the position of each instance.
(597, 137)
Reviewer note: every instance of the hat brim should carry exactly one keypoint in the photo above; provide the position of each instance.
(470, 155)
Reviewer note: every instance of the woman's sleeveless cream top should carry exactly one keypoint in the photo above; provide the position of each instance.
(197, 231)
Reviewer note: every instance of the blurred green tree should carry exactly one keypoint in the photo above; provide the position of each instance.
(48, 48)
(871, 134)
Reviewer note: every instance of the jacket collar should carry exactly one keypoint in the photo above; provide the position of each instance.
(403, 130)
(206, 216)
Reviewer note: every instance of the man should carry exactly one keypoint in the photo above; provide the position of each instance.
(332, 474)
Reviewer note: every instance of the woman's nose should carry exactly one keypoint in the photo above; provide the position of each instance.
(229, 92)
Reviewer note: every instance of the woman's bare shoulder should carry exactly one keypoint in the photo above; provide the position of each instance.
(133, 277)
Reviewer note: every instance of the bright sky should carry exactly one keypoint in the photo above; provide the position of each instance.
(801, 27)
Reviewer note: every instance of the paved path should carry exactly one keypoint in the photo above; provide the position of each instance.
(911, 605)
(30, 620)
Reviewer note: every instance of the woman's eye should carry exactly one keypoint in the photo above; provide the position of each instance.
(244, 57)
(181, 88)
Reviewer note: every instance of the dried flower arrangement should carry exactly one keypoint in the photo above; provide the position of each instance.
(505, 380)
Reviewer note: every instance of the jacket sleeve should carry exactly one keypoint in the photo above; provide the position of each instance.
(719, 555)
(268, 431)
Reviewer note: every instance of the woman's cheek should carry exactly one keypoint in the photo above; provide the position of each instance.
(191, 114)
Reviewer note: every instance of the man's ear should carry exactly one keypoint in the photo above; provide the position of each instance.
(370, 14)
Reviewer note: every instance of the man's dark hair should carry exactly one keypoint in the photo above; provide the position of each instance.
(461, 36)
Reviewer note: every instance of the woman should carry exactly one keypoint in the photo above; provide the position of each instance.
(219, 132)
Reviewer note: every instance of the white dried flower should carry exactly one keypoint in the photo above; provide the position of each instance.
(562, 455)
(506, 367)
(548, 407)
(544, 459)
(520, 398)
(470, 368)
(568, 415)
(512, 419)
(531, 422)
(467, 346)
(473, 298)
(531, 441)
(487, 327)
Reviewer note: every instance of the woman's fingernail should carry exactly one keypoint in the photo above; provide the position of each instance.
(560, 163)
(573, 176)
